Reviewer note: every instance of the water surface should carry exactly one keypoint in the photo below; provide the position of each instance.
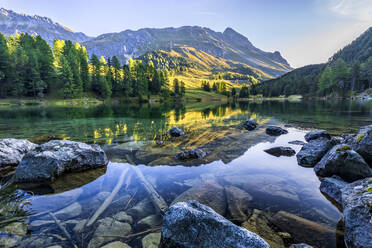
(271, 196)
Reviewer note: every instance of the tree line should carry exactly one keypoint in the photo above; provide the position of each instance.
(29, 67)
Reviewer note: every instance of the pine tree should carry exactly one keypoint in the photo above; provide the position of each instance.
(66, 78)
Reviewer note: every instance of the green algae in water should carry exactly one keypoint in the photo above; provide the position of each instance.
(344, 148)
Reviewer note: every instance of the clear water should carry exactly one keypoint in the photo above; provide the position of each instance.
(237, 178)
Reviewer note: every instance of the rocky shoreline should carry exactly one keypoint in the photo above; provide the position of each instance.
(342, 163)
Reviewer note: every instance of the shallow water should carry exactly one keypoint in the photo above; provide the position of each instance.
(271, 196)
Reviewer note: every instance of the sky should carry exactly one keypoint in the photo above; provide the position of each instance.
(303, 31)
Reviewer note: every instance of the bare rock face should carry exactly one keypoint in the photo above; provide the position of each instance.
(191, 224)
(312, 152)
(316, 134)
(344, 162)
(55, 157)
(357, 205)
(13, 150)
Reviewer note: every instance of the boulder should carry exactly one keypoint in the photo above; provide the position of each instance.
(13, 150)
(332, 186)
(194, 153)
(316, 134)
(175, 132)
(297, 142)
(191, 224)
(363, 144)
(357, 205)
(281, 151)
(51, 159)
(275, 131)
(312, 152)
(151, 240)
(250, 125)
(344, 162)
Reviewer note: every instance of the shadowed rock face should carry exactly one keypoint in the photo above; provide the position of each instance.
(357, 205)
(312, 152)
(275, 131)
(363, 144)
(56, 157)
(344, 162)
(191, 224)
(317, 134)
(281, 151)
(13, 150)
(332, 186)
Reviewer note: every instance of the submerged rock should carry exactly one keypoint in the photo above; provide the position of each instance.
(300, 246)
(281, 151)
(357, 205)
(151, 240)
(13, 150)
(208, 193)
(11, 235)
(317, 134)
(332, 186)
(56, 157)
(175, 132)
(150, 221)
(275, 131)
(194, 153)
(239, 203)
(344, 162)
(363, 144)
(312, 152)
(191, 224)
(260, 222)
(116, 244)
(250, 125)
(108, 229)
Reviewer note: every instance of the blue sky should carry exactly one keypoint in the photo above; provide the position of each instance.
(304, 31)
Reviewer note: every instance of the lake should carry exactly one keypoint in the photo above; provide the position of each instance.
(271, 196)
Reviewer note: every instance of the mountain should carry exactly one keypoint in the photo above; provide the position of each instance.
(347, 72)
(12, 23)
(228, 45)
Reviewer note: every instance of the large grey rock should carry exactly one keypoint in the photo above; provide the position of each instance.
(281, 151)
(191, 224)
(344, 162)
(312, 152)
(357, 205)
(175, 132)
(250, 125)
(363, 144)
(13, 150)
(275, 131)
(194, 153)
(332, 186)
(316, 134)
(55, 157)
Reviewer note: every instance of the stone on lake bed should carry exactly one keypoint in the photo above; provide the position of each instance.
(275, 131)
(175, 132)
(281, 151)
(239, 203)
(150, 221)
(51, 159)
(194, 153)
(344, 162)
(191, 224)
(316, 134)
(312, 152)
(302, 245)
(357, 206)
(250, 125)
(363, 144)
(116, 244)
(151, 240)
(13, 150)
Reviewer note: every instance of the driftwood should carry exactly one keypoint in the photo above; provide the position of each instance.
(63, 229)
(109, 199)
(156, 199)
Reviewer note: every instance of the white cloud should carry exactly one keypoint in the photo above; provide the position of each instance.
(360, 10)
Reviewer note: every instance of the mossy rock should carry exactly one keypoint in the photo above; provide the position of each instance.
(344, 148)
(359, 139)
